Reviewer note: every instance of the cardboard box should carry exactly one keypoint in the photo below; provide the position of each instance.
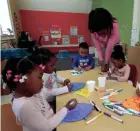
(134, 57)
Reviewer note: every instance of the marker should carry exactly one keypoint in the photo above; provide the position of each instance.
(93, 119)
(114, 110)
(113, 117)
(124, 112)
(95, 106)
(116, 91)
(133, 111)
(120, 108)
(118, 112)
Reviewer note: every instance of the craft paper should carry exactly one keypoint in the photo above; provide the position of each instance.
(76, 72)
(83, 92)
(133, 103)
(81, 111)
(77, 86)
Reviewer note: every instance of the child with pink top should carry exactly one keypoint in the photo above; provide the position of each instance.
(105, 34)
(120, 70)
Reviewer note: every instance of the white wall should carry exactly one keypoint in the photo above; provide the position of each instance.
(136, 23)
(78, 6)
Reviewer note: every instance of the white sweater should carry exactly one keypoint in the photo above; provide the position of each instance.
(51, 87)
(35, 114)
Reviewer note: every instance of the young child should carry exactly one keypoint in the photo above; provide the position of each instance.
(50, 78)
(120, 71)
(83, 61)
(29, 105)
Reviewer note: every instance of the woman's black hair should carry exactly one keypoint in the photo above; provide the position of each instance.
(118, 53)
(17, 66)
(100, 19)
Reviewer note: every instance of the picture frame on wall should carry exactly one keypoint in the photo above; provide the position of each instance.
(66, 40)
(81, 39)
(73, 30)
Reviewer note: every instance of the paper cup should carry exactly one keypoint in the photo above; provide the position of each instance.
(101, 82)
(91, 85)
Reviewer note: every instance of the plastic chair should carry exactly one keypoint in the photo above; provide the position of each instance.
(133, 74)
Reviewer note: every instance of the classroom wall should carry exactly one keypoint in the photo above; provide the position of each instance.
(63, 13)
(77, 6)
(123, 11)
(12, 4)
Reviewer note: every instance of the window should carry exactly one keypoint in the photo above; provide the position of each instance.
(5, 20)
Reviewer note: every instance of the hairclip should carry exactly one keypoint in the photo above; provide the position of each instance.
(16, 79)
(9, 74)
(42, 66)
(23, 79)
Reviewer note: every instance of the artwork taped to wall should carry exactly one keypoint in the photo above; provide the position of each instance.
(55, 34)
(46, 37)
(74, 30)
(81, 39)
(65, 39)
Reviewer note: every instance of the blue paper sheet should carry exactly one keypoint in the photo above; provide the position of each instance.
(77, 86)
(81, 112)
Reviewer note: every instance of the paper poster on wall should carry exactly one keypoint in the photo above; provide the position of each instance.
(46, 37)
(81, 39)
(74, 30)
(55, 34)
(65, 40)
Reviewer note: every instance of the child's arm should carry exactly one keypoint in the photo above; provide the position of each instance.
(75, 64)
(33, 119)
(126, 75)
(60, 79)
(54, 92)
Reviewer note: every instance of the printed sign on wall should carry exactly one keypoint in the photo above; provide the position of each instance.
(74, 30)
(65, 40)
(81, 39)
(55, 34)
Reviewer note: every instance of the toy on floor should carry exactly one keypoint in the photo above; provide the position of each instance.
(81, 112)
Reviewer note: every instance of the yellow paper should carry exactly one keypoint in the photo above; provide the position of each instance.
(83, 92)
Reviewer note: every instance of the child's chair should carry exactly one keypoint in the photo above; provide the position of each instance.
(133, 74)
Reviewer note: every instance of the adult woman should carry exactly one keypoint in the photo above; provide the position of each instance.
(105, 34)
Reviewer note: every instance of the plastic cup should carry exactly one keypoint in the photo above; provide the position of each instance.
(101, 82)
(91, 85)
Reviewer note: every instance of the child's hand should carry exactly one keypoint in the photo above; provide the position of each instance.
(71, 104)
(78, 69)
(138, 91)
(104, 68)
(88, 68)
(66, 82)
(112, 78)
(69, 85)
(109, 74)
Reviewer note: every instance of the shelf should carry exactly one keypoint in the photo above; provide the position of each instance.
(71, 45)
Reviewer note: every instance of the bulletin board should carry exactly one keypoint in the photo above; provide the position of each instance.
(46, 23)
